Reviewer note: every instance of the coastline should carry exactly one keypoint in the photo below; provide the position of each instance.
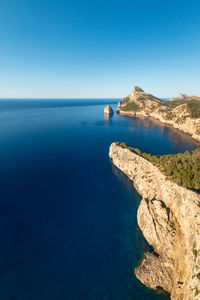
(163, 121)
(168, 216)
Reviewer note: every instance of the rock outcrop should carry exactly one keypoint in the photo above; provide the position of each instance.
(184, 97)
(182, 113)
(169, 217)
(108, 110)
(137, 91)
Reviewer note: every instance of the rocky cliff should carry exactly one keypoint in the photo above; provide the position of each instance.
(182, 112)
(169, 217)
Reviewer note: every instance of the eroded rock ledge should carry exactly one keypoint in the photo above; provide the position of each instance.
(169, 217)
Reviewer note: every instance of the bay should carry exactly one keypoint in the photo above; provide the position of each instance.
(68, 227)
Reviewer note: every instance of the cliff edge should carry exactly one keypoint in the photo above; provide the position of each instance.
(169, 217)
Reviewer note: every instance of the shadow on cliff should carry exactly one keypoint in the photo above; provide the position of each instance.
(133, 236)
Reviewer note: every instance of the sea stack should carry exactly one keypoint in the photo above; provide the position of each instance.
(108, 110)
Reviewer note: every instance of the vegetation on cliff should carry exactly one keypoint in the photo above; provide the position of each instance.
(182, 168)
(131, 106)
(194, 109)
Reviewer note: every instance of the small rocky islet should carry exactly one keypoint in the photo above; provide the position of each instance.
(108, 110)
(169, 213)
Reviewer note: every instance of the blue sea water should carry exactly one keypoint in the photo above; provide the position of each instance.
(68, 227)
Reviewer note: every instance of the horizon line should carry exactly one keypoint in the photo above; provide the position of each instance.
(2, 98)
(64, 98)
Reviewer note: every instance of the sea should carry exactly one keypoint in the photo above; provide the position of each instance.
(68, 216)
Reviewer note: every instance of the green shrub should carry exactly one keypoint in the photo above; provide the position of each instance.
(182, 168)
(131, 106)
(125, 99)
(194, 109)
(195, 253)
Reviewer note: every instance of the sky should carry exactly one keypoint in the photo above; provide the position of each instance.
(99, 48)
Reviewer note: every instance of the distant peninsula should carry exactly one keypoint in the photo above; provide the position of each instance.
(182, 112)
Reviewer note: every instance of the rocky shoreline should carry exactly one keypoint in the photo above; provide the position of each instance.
(169, 217)
(188, 127)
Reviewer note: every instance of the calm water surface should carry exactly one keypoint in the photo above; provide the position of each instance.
(68, 225)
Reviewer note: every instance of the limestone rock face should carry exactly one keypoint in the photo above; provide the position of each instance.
(137, 90)
(169, 217)
(108, 110)
(139, 94)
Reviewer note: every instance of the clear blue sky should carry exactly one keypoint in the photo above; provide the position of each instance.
(99, 48)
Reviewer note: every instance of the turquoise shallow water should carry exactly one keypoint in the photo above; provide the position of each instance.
(68, 226)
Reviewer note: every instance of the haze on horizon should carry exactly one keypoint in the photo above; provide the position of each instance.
(62, 49)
